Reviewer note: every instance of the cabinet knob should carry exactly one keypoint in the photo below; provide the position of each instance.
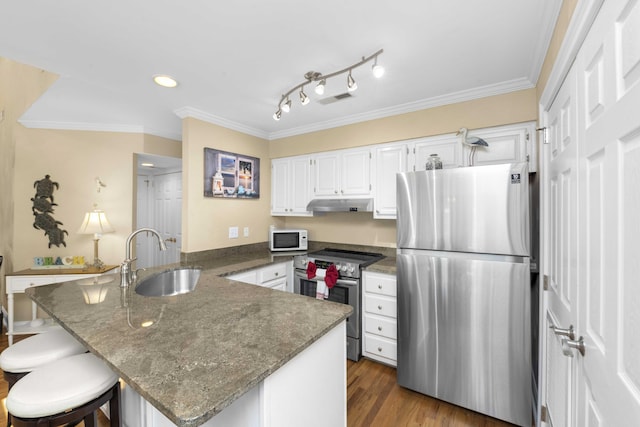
(379, 307)
(380, 328)
(276, 274)
(379, 286)
(380, 349)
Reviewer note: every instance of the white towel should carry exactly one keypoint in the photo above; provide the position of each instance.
(322, 291)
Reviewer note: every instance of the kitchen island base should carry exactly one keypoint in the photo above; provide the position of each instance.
(310, 390)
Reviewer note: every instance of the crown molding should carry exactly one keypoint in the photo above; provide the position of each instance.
(185, 112)
(98, 127)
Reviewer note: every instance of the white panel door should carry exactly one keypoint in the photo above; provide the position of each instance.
(559, 259)
(168, 217)
(592, 202)
(608, 217)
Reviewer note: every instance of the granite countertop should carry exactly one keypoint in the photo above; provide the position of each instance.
(386, 265)
(203, 349)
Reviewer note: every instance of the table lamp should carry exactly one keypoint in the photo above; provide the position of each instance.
(96, 223)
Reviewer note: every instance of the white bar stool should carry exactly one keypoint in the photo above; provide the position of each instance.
(35, 351)
(68, 390)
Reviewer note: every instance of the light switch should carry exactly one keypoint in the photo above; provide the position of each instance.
(246, 232)
(233, 232)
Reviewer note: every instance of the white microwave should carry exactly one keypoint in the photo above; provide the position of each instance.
(287, 240)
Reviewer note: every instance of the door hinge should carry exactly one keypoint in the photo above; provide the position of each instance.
(545, 282)
(544, 134)
(527, 136)
(543, 414)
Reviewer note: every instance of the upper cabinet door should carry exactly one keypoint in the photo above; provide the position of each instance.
(291, 186)
(327, 174)
(356, 173)
(390, 160)
(343, 173)
(279, 186)
(507, 144)
(447, 147)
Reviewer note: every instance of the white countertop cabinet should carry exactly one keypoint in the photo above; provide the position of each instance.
(277, 276)
(343, 173)
(379, 317)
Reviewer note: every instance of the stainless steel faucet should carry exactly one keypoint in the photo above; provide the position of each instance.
(126, 274)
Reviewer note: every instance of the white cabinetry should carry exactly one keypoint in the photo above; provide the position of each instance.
(507, 144)
(447, 147)
(379, 317)
(390, 159)
(276, 276)
(344, 173)
(291, 186)
(18, 282)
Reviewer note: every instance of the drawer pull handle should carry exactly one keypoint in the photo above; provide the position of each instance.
(380, 328)
(379, 348)
(379, 307)
(276, 273)
(379, 286)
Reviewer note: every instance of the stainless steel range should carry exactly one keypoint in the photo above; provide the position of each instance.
(347, 289)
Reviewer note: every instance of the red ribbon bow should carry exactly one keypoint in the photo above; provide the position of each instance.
(311, 270)
(331, 276)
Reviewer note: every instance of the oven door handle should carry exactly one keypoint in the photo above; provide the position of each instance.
(341, 281)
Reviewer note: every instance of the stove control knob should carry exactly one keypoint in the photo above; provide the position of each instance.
(343, 268)
(351, 269)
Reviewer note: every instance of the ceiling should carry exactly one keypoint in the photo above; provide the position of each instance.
(235, 59)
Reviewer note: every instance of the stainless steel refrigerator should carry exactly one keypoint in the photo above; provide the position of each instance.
(464, 288)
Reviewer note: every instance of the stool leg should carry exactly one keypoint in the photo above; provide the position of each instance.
(90, 420)
(114, 406)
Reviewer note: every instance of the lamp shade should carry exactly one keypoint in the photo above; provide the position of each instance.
(95, 222)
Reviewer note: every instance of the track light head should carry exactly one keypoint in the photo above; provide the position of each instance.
(277, 115)
(286, 107)
(351, 84)
(320, 87)
(377, 70)
(304, 99)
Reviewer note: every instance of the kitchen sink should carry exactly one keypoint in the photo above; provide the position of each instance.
(174, 281)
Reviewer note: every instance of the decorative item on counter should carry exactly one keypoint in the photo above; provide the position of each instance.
(60, 262)
(433, 162)
(43, 207)
(95, 222)
(331, 276)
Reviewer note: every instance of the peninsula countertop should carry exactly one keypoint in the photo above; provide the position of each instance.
(199, 351)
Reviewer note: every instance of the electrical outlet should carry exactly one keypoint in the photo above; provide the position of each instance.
(246, 232)
(233, 232)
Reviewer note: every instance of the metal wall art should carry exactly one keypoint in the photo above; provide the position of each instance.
(43, 207)
(231, 175)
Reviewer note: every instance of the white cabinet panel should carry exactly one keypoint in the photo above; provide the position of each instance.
(290, 186)
(390, 159)
(343, 173)
(379, 317)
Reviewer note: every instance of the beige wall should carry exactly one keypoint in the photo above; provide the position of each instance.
(360, 228)
(206, 220)
(73, 159)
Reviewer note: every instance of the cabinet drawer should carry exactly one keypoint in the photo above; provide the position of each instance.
(271, 272)
(381, 326)
(19, 284)
(279, 284)
(384, 306)
(383, 284)
(380, 347)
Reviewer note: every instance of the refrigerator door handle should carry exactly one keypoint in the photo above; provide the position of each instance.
(568, 332)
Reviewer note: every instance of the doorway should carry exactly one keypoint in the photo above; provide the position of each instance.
(159, 206)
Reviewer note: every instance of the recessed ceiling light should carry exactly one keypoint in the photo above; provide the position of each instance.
(148, 165)
(165, 81)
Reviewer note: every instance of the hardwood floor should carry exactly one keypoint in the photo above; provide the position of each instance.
(373, 400)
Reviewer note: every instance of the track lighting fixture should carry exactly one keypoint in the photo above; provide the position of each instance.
(378, 70)
(286, 107)
(304, 99)
(351, 84)
(314, 76)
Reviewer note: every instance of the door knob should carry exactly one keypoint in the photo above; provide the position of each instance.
(568, 346)
(569, 333)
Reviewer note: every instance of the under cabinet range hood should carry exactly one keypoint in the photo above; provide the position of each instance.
(340, 205)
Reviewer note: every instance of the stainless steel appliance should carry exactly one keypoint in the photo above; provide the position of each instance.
(464, 288)
(347, 290)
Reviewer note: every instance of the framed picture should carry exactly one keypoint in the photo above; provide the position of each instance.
(231, 175)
